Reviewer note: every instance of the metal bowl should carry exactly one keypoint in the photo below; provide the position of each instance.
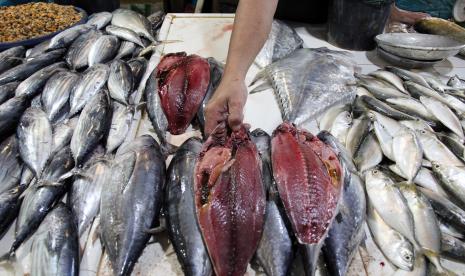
(405, 62)
(419, 46)
(36, 40)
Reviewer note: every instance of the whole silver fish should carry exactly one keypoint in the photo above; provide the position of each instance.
(427, 231)
(457, 105)
(131, 202)
(412, 107)
(120, 125)
(25, 70)
(126, 49)
(444, 115)
(420, 268)
(389, 203)
(120, 81)
(85, 192)
(327, 119)
(394, 246)
(10, 57)
(378, 88)
(454, 144)
(391, 78)
(7, 91)
(341, 126)
(407, 75)
(393, 127)
(384, 141)
(124, 34)
(382, 108)
(66, 37)
(92, 126)
(35, 138)
(452, 179)
(424, 178)
(39, 200)
(56, 92)
(369, 154)
(408, 154)
(435, 151)
(99, 20)
(89, 84)
(31, 86)
(418, 91)
(184, 233)
(417, 125)
(357, 133)
(103, 49)
(62, 133)
(37, 50)
(137, 66)
(55, 248)
(78, 53)
(133, 21)
(10, 163)
(452, 248)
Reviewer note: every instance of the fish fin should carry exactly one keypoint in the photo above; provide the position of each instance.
(433, 257)
(69, 174)
(260, 75)
(45, 183)
(8, 259)
(260, 88)
(158, 229)
(168, 149)
(140, 106)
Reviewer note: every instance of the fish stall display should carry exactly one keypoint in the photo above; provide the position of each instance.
(83, 192)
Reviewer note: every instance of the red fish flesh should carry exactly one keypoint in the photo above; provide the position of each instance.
(230, 200)
(183, 83)
(309, 179)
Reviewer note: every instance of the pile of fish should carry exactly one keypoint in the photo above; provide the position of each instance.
(405, 134)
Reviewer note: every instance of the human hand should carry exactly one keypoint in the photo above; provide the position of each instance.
(227, 104)
(406, 17)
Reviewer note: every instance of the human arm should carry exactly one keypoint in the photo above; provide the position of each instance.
(406, 17)
(252, 25)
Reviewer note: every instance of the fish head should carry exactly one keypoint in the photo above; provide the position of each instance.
(405, 258)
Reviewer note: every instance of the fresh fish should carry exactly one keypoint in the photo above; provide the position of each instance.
(137, 66)
(100, 19)
(454, 144)
(389, 203)
(444, 115)
(120, 125)
(424, 178)
(90, 83)
(216, 73)
(457, 105)
(356, 134)
(156, 19)
(390, 78)
(392, 126)
(25, 70)
(37, 50)
(10, 163)
(447, 229)
(55, 96)
(435, 151)
(392, 244)
(341, 126)
(281, 42)
(379, 106)
(262, 141)
(126, 49)
(11, 57)
(230, 199)
(32, 86)
(84, 195)
(35, 138)
(120, 81)
(39, 200)
(134, 21)
(66, 37)
(62, 134)
(418, 91)
(309, 81)
(426, 226)
(346, 231)
(9, 207)
(420, 268)
(362, 91)
(274, 252)
(55, 248)
(408, 154)
(93, 124)
(328, 118)
(417, 125)
(78, 53)
(452, 248)
(124, 33)
(384, 141)
(407, 75)
(92, 250)
(369, 154)
(452, 179)
(380, 89)
(411, 107)
(455, 82)
(103, 49)
(131, 202)
(7, 91)
(445, 209)
(183, 229)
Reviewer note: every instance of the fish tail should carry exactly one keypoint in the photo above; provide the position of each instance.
(434, 259)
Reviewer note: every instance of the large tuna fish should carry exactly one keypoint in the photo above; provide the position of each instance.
(230, 199)
(183, 83)
(309, 179)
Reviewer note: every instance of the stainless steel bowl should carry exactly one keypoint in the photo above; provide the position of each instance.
(405, 62)
(419, 46)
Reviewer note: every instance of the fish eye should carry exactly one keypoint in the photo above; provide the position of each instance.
(375, 171)
(423, 131)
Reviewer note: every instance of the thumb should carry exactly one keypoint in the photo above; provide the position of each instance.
(236, 115)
